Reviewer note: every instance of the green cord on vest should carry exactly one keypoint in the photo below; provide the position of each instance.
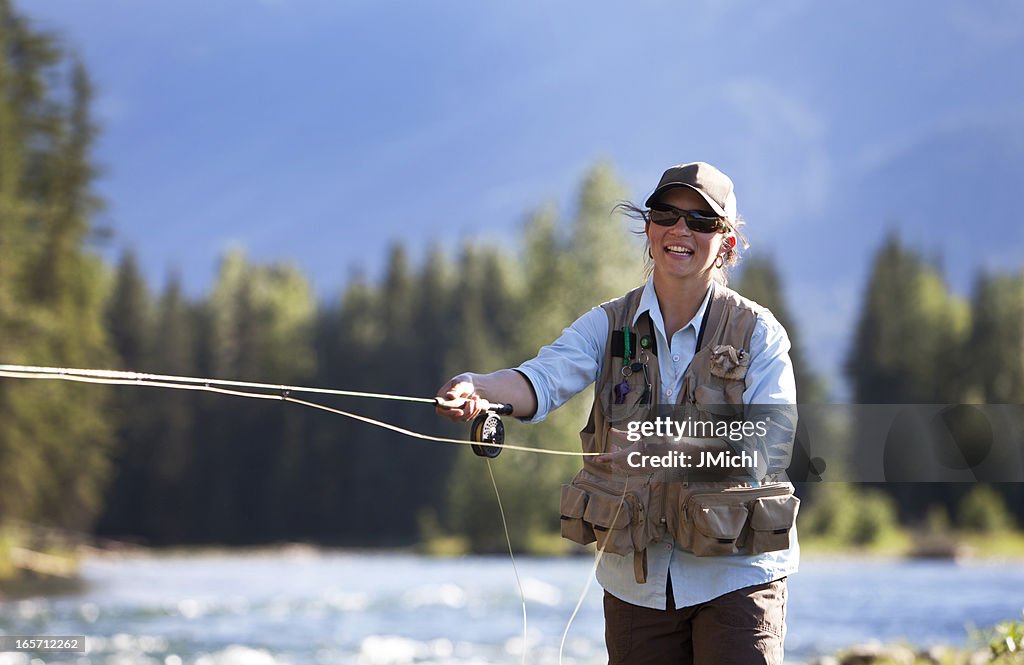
(627, 352)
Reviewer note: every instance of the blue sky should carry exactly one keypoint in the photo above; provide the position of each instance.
(320, 132)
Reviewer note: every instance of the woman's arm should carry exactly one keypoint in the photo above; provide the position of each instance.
(560, 370)
(506, 386)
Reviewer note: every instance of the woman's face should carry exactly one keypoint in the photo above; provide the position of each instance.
(678, 252)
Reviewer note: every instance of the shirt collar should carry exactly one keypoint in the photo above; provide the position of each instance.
(649, 303)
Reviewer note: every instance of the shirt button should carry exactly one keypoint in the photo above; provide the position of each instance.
(669, 392)
(669, 546)
(675, 358)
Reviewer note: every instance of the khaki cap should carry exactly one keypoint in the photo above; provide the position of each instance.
(714, 186)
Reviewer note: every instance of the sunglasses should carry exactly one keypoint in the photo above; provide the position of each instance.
(699, 221)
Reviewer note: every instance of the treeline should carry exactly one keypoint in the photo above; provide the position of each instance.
(167, 466)
(917, 342)
(211, 468)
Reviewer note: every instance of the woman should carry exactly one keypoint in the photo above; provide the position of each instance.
(693, 560)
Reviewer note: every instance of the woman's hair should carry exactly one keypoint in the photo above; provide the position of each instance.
(730, 257)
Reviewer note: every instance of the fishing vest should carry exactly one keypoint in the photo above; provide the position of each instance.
(707, 513)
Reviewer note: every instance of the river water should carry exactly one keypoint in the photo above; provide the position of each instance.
(299, 606)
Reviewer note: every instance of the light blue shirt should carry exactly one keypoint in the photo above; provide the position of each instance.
(574, 361)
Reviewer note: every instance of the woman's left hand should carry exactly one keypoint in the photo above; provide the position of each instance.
(623, 448)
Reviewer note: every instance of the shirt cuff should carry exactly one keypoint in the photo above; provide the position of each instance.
(533, 390)
(542, 401)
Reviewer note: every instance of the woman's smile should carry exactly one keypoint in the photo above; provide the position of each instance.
(679, 251)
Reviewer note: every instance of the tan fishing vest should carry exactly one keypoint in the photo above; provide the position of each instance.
(708, 515)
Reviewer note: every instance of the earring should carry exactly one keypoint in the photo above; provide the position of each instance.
(720, 261)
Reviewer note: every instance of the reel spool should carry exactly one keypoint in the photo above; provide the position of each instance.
(487, 428)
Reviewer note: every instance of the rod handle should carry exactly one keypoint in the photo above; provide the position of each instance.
(493, 407)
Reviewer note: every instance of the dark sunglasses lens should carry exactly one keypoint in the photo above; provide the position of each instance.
(664, 217)
(702, 223)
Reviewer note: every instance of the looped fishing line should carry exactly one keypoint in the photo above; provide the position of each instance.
(114, 377)
(508, 540)
(593, 573)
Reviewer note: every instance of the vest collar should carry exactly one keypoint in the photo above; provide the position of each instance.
(649, 303)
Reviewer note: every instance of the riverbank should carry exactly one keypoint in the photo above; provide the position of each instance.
(1002, 644)
(956, 546)
(35, 561)
(903, 544)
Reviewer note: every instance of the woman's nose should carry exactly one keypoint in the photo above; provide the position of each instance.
(681, 228)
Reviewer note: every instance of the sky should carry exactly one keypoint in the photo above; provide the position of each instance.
(320, 132)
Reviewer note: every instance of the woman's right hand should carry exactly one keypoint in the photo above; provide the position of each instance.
(463, 389)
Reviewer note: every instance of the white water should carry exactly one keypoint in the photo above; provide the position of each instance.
(303, 606)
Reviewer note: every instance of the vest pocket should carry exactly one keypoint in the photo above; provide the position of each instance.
(737, 519)
(572, 507)
(592, 512)
(718, 401)
(610, 517)
(717, 528)
(771, 520)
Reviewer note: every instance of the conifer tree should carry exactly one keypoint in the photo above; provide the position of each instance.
(54, 439)
(129, 327)
(996, 343)
(910, 329)
(760, 281)
(171, 505)
(907, 349)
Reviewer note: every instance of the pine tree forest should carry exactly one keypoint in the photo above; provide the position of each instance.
(164, 467)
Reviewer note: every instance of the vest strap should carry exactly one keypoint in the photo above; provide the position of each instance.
(712, 312)
(640, 566)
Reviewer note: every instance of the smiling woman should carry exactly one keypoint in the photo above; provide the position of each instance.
(693, 563)
(699, 217)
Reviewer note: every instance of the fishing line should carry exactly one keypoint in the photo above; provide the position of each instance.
(508, 540)
(113, 377)
(593, 573)
(140, 377)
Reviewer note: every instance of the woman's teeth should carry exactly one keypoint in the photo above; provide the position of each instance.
(676, 249)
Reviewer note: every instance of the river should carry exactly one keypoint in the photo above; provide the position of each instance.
(301, 605)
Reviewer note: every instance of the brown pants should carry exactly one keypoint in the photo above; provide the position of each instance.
(744, 627)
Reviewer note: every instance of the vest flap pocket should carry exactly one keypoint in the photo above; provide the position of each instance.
(574, 502)
(772, 519)
(722, 522)
(630, 407)
(713, 400)
(772, 513)
(607, 512)
(573, 505)
(717, 528)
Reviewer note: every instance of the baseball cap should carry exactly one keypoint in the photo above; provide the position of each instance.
(713, 185)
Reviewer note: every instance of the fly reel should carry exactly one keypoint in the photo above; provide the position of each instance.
(487, 428)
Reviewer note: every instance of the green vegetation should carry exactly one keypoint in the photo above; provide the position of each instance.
(983, 510)
(842, 518)
(55, 437)
(1002, 644)
(1005, 642)
(169, 467)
